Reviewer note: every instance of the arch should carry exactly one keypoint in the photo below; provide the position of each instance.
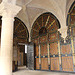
(50, 11)
(20, 31)
(69, 3)
(53, 9)
(69, 13)
(45, 35)
(20, 38)
(47, 15)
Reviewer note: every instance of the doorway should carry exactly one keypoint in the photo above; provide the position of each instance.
(22, 55)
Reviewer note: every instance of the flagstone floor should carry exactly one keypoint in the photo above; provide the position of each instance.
(24, 71)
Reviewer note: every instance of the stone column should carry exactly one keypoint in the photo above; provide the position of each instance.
(8, 12)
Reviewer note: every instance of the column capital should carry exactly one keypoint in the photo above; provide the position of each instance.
(10, 1)
(9, 10)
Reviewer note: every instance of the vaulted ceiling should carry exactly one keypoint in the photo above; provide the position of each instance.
(31, 9)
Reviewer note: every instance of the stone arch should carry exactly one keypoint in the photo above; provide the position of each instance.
(58, 23)
(20, 31)
(69, 3)
(69, 13)
(20, 38)
(53, 9)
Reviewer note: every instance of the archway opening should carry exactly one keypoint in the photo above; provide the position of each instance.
(21, 38)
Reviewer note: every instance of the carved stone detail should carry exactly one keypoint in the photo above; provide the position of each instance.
(63, 32)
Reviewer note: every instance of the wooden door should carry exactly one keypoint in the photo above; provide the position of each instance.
(44, 52)
(67, 59)
(36, 51)
(54, 56)
(37, 65)
(41, 53)
(30, 56)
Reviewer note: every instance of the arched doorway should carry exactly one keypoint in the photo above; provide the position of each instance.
(45, 36)
(71, 30)
(21, 37)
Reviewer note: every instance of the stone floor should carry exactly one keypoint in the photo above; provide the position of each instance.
(24, 71)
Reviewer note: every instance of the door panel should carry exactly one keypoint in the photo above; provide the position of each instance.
(54, 48)
(55, 63)
(37, 63)
(54, 56)
(67, 58)
(44, 64)
(43, 39)
(30, 56)
(53, 37)
(67, 63)
(37, 50)
(44, 50)
(66, 49)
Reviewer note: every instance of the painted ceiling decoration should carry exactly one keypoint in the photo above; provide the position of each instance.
(37, 7)
(45, 23)
(20, 31)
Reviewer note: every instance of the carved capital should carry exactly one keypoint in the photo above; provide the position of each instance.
(10, 1)
(9, 10)
(63, 32)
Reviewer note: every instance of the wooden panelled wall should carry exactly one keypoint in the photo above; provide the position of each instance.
(51, 53)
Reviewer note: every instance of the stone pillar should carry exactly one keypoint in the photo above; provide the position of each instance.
(8, 12)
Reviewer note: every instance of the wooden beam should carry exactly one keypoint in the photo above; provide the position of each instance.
(51, 24)
(47, 21)
(17, 26)
(38, 25)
